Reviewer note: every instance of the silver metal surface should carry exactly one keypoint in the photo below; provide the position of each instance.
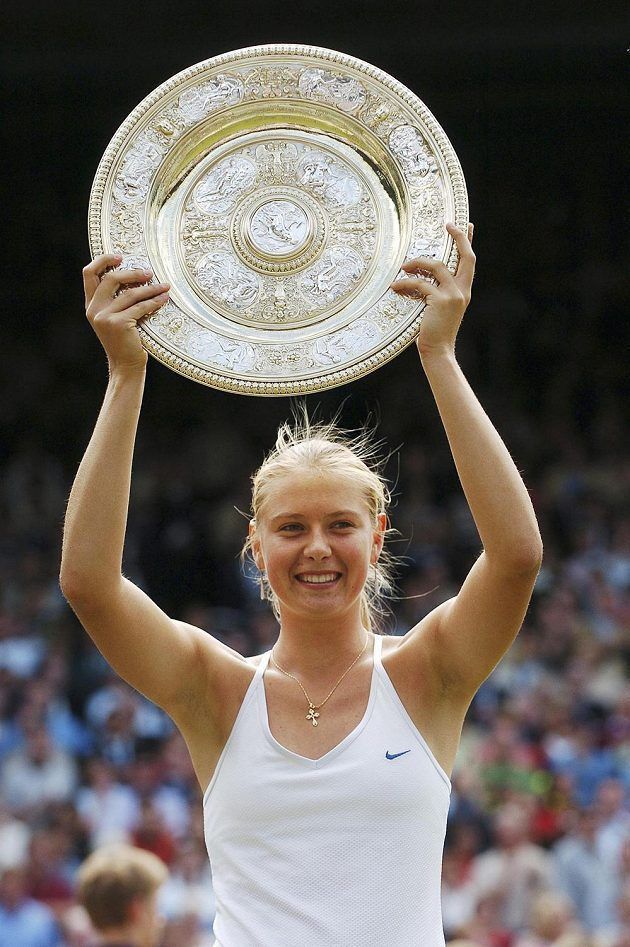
(278, 189)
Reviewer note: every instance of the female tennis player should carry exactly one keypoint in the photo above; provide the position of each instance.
(324, 762)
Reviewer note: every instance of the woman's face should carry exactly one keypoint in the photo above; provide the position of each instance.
(316, 541)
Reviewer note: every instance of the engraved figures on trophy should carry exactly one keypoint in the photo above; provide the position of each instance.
(227, 280)
(343, 91)
(333, 275)
(219, 190)
(134, 176)
(287, 258)
(410, 147)
(200, 100)
(279, 227)
(325, 178)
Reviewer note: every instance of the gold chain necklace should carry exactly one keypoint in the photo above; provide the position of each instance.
(312, 715)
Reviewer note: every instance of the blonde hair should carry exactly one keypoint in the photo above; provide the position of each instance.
(323, 447)
(548, 910)
(112, 877)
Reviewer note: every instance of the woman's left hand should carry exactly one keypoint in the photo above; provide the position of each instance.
(447, 296)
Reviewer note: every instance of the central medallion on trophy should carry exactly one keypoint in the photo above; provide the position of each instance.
(278, 230)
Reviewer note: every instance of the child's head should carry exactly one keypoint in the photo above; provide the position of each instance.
(117, 885)
(306, 452)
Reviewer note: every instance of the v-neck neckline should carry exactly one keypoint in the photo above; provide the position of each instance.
(335, 750)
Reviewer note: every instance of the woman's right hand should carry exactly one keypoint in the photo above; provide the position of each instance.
(115, 318)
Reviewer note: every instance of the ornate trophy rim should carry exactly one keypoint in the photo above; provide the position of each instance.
(391, 323)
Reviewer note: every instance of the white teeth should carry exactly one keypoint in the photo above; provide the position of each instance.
(318, 579)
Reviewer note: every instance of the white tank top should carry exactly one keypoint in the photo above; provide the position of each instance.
(341, 851)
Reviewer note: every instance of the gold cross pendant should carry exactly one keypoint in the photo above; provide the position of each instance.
(311, 714)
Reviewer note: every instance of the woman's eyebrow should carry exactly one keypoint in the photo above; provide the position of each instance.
(300, 516)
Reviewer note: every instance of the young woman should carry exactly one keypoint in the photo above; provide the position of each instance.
(325, 762)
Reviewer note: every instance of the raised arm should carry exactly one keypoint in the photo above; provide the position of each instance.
(469, 634)
(156, 655)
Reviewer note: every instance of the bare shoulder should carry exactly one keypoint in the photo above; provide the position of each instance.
(411, 659)
(222, 673)
(218, 653)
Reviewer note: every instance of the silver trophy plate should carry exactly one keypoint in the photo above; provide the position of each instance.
(278, 189)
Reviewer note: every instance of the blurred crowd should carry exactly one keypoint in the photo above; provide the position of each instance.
(538, 843)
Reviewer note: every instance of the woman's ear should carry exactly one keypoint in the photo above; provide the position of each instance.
(379, 537)
(255, 546)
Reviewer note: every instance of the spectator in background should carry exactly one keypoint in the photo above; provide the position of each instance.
(614, 822)
(118, 887)
(187, 930)
(109, 810)
(9, 730)
(178, 789)
(516, 869)
(152, 835)
(188, 890)
(588, 763)
(583, 874)
(618, 933)
(15, 835)
(24, 922)
(37, 774)
(458, 897)
(46, 879)
(117, 741)
(486, 928)
(551, 919)
(43, 699)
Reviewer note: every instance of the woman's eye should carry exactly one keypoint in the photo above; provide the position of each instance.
(344, 524)
(290, 527)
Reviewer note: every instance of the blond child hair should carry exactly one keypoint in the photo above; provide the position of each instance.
(112, 877)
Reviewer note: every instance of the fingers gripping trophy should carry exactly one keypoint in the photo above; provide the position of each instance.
(280, 220)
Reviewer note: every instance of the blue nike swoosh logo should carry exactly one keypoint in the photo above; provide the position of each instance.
(392, 756)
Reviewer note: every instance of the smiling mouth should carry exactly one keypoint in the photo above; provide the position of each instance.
(321, 578)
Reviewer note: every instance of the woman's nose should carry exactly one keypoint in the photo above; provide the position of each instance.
(317, 545)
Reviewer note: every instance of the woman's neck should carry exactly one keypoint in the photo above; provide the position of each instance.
(318, 649)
